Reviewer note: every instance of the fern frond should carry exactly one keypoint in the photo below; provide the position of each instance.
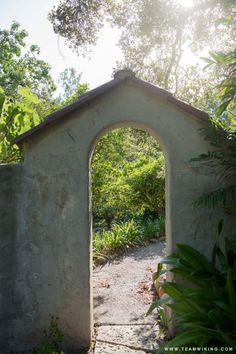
(220, 198)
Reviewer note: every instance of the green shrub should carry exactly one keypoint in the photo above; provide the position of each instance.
(125, 235)
(129, 231)
(147, 184)
(206, 311)
(121, 237)
(114, 240)
(153, 228)
(98, 241)
(161, 229)
(150, 229)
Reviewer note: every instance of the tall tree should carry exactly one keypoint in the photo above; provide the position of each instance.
(155, 33)
(79, 21)
(70, 82)
(21, 70)
(17, 114)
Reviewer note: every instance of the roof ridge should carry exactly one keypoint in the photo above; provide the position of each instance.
(102, 89)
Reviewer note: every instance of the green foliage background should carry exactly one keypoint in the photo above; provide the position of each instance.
(128, 176)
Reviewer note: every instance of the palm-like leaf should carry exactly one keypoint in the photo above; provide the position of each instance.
(223, 161)
(222, 137)
(222, 198)
(206, 312)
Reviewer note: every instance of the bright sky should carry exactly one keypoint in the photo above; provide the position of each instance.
(187, 3)
(32, 16)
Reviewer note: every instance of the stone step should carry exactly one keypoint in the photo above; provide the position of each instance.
(122, 339)
(106, 348)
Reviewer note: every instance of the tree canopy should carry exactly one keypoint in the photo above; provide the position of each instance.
(18, 69)
(16, 116)
(70, 82)
(155, 34)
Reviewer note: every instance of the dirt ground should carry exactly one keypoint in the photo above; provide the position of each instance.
(123, 288)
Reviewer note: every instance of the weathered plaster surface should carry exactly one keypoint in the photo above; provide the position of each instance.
(10, 185)
(52, 265)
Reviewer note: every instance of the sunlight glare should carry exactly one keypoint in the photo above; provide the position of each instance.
(186, 3)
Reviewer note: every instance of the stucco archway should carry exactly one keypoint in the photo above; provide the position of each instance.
(149, 131)
(53, 236)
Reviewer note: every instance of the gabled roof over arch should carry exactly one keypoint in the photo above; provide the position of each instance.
(120, 78)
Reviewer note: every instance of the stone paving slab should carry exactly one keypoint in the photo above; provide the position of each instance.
(142, 337)
(106, 348)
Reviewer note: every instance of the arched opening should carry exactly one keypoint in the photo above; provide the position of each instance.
(129, 188)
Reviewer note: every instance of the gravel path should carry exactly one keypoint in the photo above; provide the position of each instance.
(123, 288)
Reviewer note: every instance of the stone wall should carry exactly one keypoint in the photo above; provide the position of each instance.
(10, 186)
(54, 242)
